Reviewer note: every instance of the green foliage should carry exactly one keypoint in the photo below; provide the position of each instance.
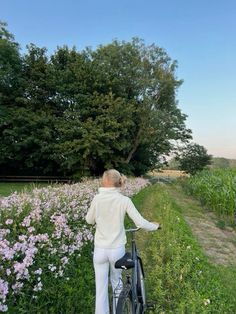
(216, 189)
(10, 64)
(178, 276)
(79, 112)
(193, 158)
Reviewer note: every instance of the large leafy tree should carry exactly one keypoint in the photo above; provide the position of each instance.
(28, 118)
(144, 75)
(10, 66)
(81, 112)
(10, 89)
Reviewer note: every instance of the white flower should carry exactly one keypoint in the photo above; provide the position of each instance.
(9, 222)
(8, 272)
(206, 301)
(38, 271)
(52, 267)
(3, 308)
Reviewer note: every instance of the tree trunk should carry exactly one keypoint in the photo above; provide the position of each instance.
(136, 144)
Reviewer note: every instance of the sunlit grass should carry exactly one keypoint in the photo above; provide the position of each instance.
(179, 276)
(9, 188)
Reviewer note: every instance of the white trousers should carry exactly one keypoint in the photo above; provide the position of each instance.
(103, 260)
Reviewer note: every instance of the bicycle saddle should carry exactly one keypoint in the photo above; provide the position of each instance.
(125, 262)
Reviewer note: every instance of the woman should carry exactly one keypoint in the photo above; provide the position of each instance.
(107, 211)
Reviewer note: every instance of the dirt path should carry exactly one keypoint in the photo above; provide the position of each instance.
(218, 244)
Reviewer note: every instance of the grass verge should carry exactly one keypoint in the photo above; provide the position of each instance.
(179, 277)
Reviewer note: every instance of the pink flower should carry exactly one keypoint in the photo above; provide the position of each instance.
(3, 307)
(63, 209)
(17, 287)
(38, 271)
(64, 260)
(3, 290)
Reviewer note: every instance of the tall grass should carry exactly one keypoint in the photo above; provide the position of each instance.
(179, 278)
(216, 189)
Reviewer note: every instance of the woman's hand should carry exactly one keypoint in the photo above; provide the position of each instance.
(157, 223)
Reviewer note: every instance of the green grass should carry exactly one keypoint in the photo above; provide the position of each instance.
(228, 278)
(8, 188)
(179, 277)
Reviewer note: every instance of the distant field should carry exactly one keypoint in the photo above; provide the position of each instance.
(8, 188)
(168, 173)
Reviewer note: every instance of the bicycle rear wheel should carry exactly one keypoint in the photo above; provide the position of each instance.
(124, 304)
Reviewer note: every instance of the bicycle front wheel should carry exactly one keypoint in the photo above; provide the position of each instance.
(140, 285)
(124, 304)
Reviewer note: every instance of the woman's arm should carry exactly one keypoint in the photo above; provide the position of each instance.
(90, 217)
(138, 218)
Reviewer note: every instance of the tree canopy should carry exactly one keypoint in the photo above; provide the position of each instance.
(194, 158)
(80, 112)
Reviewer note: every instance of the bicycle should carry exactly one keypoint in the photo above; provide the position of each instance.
(132, 299)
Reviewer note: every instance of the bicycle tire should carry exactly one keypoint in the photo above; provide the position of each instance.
(124, 304)
(140, 284)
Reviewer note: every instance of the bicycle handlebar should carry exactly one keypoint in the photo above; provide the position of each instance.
(132, 229)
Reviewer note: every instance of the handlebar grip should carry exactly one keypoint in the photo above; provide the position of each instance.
(132, 229)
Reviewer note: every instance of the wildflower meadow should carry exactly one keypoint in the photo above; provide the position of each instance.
(42, 234)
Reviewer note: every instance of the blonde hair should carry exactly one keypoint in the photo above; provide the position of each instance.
(115, 177)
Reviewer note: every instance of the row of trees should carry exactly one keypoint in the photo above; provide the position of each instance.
(79, 112)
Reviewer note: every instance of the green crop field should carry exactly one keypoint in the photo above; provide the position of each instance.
(216, 189)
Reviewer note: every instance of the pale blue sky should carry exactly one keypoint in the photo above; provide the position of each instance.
(199, 34)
